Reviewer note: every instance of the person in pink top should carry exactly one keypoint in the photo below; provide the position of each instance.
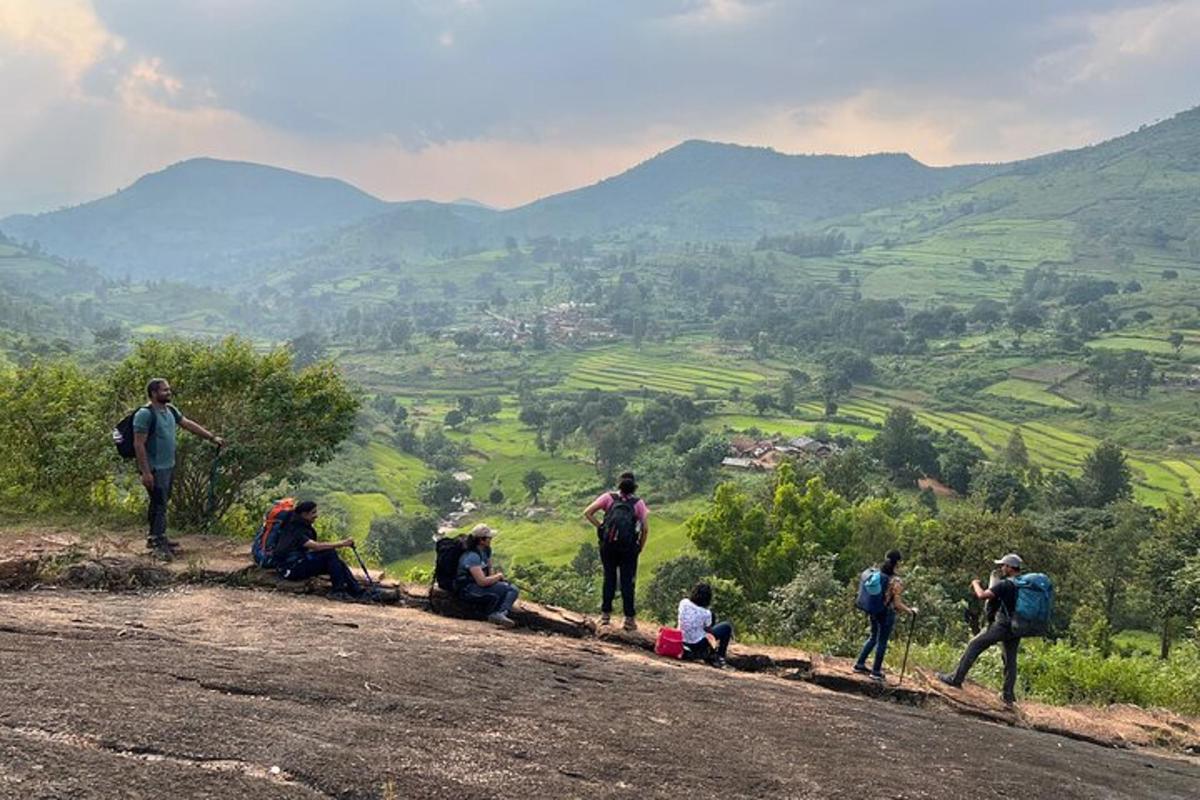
(622, 531)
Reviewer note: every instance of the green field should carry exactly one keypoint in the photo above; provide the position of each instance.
(658, 369)
(1029, 392)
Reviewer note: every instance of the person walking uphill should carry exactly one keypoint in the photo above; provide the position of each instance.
(154, 430)
(1008, 625)
(879, 595)
(622, 532)
(300, 556)
(477, 583)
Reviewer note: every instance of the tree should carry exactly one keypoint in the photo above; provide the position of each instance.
(1176, 341)
(958, 459)
(846, 473)
(903, 445)
(672, 581)
(1016, 454)
(762, 403)
(496, 496)
(487, 407)
(999, 489)
(1163, 556)
(443, 492)
(534, 481)
(307, 348)
(613, 445)
(453, 418)
(394, 537)
(1106, 476)
(243, 395)
(586, 562)
(787, 398)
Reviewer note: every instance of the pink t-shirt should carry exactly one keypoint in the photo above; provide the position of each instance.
(605, 501)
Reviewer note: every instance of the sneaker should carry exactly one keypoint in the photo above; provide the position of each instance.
(630, 624)
(717, 661)
(948, 680)
(861, 669)
(174, 545)
(1009, 702)
(342, 597)
(501, 619)
(605, 619)
(877, 677)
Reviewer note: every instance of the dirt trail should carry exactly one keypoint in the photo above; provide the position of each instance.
(204, 692)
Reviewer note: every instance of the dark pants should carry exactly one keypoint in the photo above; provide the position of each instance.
(619, 564)
(881, 631)
(998, 632)
(703, 649)
(495, 599)
(160, 495)
(322, 562)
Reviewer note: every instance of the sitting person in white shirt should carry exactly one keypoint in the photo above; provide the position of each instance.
(696, 622)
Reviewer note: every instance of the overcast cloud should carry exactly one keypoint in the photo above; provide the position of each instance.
(508, 100)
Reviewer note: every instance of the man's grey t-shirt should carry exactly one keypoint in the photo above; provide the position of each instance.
(160, 447)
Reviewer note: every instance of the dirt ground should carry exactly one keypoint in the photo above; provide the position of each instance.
(202, 692)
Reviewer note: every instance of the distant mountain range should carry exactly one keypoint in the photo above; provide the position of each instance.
(211, 221)
(206, 220)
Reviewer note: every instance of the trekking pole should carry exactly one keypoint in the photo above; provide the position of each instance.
(912, 623)
(366, 574)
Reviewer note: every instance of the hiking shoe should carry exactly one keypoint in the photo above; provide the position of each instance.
(630, 624)
(717, 662)
(342, 597)
(1009, 702)
(159, 550)
(948, 680)
(605, 619)
(877, 677)
(861, 669)
(501, 619)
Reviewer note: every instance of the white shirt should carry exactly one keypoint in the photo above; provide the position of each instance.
(693, 619)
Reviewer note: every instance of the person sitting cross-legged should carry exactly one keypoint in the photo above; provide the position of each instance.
(300, 556)
(477, 583)
(697, 623)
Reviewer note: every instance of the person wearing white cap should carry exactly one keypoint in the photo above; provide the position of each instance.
(1000, 631)
(476, 583)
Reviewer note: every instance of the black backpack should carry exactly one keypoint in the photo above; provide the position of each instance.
(449, 550)
(122, 434)
(620, 527)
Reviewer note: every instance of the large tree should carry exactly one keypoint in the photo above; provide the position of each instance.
(1106, 476)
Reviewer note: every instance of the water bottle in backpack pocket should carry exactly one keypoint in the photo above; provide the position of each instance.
(1035, 604)
(872, 590)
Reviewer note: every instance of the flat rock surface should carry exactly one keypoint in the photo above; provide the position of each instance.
(211, 692)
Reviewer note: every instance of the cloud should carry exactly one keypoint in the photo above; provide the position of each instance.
(505, 101)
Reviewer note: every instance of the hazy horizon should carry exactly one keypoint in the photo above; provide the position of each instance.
(504, 103)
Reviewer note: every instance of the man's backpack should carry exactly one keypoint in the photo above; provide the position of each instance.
(872, 591)
(1035, 604)
(262, 549)
(122, 433)
(448, 551)
(620, 527)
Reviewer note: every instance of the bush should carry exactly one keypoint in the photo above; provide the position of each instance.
(673, 580)
(395, 537)
(814, 607)
(554, 585)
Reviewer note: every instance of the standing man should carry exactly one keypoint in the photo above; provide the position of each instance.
(622, 532)
(1000, 631)
(154, 444)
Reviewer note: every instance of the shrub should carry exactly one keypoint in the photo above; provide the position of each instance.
(395, 537)
(672, 581)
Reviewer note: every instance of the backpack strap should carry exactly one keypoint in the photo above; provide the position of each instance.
(175, 412)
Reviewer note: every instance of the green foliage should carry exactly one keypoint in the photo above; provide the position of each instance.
(534, 481)
(395, 537)
(904, 447)
(274, 418)
(443, 492)
(1106, 476)
(998, 487)
(813, 606)
(672, 581)
(554, 585)
(54, 454)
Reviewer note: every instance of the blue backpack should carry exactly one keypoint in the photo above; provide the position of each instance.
(872, 590)
(1035, 604)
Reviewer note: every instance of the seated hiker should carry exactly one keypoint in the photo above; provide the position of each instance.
(881, 611)
(300, 556)
(476, 583)
(696, 621)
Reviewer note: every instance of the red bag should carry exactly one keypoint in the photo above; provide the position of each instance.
(670, 643)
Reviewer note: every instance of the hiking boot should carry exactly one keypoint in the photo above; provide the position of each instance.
(502, 619)
(160, 550)
(948, 680)
(630, 624)
(861, 669)
(605, 619)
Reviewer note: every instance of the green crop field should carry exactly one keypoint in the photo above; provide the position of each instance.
(662, 369)
(1029, 392)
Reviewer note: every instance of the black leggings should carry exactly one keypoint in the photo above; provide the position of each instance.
(618, 563)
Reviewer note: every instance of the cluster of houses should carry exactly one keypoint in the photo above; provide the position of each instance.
(748, 453)
(565, 323)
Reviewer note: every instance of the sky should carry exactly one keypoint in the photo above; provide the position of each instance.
(505, 101)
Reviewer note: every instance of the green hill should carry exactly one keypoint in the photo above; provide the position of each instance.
(201, 220)
(709, 191)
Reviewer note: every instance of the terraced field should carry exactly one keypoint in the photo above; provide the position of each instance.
(1029, 392)
(1050, 446)
(626, 370)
